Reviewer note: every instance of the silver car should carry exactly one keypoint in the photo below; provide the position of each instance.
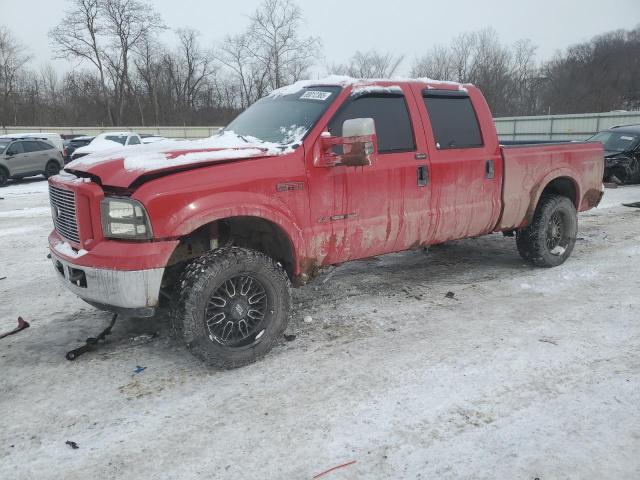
(27, 157)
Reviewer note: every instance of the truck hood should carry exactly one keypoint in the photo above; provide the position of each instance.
(122, 167)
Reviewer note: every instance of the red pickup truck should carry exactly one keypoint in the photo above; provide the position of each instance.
(317, 173)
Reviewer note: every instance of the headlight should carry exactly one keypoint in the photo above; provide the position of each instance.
(125, 219)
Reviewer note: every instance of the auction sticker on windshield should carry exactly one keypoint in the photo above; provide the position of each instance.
(315, 95)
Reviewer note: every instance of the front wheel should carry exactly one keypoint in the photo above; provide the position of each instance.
(231, 306)
(4, 177)
(550, 238)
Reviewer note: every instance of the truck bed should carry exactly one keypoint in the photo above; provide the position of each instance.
(529, 168)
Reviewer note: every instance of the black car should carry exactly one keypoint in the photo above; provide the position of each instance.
(71, 145)
(621, 153)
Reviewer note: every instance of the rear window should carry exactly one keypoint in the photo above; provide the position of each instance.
(121, 139)
(453, 120)
(46, 146)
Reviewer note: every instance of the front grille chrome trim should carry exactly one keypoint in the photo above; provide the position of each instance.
(64, 213)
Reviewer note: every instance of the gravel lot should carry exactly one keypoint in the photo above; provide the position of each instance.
(524, 374)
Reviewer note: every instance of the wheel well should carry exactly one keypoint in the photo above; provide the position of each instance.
(565, 187)
(249, 232)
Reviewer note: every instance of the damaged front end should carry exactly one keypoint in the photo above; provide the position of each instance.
(622, 168)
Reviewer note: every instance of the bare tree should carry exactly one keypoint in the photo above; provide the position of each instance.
(435, 64)
(127, 23)
(274, 33)
(196, 67)
(149, 68)
(13, 58)
(372, 64)
(237, 53)
(78, 36)
(505, 75)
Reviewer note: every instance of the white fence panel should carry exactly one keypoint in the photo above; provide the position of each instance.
(561, 127)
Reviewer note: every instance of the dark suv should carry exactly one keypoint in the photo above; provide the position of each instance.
(71, 145)
(27, 157)
(622, 153)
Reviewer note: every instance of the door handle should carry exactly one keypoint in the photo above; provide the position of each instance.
(423, 175)
(489, 169)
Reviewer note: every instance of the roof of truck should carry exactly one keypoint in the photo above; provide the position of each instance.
(366, 84)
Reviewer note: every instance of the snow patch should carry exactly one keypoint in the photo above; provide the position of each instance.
(65, 249)
(68, 177)
(26, 212)
(363, 83)
(558, 250)
(372, 89)
(170, 153)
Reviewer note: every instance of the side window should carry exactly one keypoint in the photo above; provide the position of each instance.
(453, 120)
(46, 146)
(16, 148)
(391, 116)
(134, 141)
(31, 146)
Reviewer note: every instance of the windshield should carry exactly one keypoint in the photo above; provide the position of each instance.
(4, 144)
(616, 142)
(284, 119)
(121, 139)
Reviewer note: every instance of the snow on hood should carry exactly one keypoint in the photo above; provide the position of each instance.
(172, 153)
(122, 166)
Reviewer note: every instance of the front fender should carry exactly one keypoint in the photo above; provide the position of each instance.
(172, 219)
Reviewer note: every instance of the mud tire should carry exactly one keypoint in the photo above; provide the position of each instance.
(533, 241)
(204, 276)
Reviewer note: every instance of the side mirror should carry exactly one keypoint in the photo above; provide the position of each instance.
(11, 153)
(359, 145)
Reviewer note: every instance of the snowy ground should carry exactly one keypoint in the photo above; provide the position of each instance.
(525, 374)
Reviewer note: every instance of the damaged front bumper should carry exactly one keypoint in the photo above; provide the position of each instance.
(126, 281)
(135, 293)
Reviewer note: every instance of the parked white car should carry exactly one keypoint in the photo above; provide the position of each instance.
(107, 141)
(53, 138)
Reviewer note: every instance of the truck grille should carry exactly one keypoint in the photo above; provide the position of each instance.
(63, 210)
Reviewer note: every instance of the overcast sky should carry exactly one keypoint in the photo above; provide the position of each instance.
(404, 27)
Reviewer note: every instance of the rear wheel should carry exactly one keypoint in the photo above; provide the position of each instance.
(231, 306)
(4, 177)
(550, 238)
(52, 168)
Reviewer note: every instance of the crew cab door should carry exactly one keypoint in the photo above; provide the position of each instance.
(35, 156)
(384, 202)
(466, 165)
(16, 158)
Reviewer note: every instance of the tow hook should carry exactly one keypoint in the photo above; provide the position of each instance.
(91, 342)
